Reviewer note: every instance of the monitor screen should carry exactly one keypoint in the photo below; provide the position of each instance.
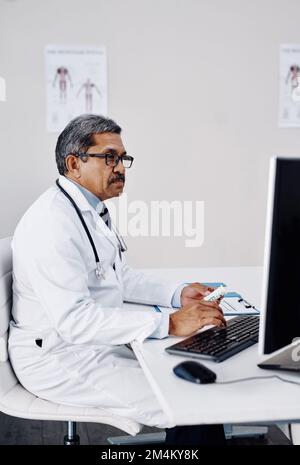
(282, 299)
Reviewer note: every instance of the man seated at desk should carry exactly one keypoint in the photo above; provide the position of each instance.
(68, 339)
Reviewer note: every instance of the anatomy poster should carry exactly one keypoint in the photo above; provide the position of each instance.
(76, 80)
(289, 96)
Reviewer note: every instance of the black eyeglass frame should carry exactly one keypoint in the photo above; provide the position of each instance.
(110, 159)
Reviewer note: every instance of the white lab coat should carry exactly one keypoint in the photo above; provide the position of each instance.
(81, 320)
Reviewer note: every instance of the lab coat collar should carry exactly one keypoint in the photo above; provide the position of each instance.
(76, 194)
(84, 205)
(93, 200)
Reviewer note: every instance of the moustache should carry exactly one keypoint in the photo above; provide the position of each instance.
(118, 177)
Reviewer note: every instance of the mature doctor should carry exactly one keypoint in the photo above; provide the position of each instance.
(70, 278)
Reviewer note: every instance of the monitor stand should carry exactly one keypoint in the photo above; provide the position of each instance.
(287, 358)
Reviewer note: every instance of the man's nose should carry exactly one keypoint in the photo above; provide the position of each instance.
(119, 168)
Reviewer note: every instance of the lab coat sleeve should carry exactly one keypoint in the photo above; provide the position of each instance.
(58, 275)
(147, 289)
(176, 299)
(162, 330)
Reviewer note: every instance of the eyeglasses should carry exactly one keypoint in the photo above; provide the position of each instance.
(110, 159)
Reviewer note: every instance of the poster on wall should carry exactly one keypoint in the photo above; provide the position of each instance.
(76, 83)
(289, 86)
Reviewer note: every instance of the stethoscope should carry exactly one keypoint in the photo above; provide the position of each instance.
(100, 273)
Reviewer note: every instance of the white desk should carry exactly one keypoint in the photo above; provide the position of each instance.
(266, 400)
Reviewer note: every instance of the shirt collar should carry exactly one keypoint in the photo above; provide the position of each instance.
(92, 199)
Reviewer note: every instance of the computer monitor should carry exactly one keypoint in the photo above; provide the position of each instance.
(280, 307)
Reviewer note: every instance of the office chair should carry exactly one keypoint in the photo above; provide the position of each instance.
(15, 400)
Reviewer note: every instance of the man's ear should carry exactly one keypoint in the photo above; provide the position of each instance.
(73, 165)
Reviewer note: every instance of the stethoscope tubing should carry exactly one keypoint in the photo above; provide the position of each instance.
(81, 219)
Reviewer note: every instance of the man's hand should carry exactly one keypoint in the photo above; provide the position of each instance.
(192, 317)
(193, 293)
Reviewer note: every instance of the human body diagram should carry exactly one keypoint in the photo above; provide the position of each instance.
(63, 76)
(293, 78)
(88, 87)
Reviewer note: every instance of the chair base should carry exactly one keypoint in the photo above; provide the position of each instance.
(74, 441)
(71, 439)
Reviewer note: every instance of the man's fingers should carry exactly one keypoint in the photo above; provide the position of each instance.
(212, 321)
(214, 304)
(214, 313)
(211, 289)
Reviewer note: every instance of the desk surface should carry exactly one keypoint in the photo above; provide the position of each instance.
(265, 400)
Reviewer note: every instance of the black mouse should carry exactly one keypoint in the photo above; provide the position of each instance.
(195, 372)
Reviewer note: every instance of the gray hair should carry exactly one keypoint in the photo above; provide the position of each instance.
(78, 136)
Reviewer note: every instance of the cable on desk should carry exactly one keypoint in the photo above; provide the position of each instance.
(290, 433)
(265, 377)
(257, 377)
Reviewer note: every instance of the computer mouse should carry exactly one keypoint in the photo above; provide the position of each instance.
(195, 372)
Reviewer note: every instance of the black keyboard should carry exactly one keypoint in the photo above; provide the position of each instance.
(218, 344)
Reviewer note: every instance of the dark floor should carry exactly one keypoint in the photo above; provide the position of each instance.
(18, 431)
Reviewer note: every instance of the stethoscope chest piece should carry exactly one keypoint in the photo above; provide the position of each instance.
(100, 273)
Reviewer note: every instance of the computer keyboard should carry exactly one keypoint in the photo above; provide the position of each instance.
(218, 344)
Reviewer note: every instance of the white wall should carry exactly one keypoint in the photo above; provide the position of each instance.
(193, 83)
